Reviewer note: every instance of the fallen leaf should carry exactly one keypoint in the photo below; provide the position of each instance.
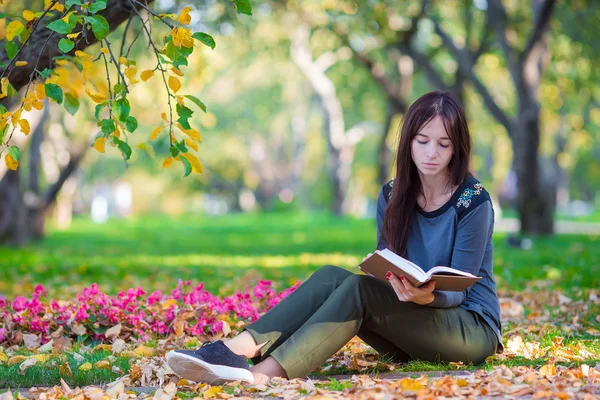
(85, 367)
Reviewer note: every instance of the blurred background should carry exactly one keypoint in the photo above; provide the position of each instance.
(304, 101)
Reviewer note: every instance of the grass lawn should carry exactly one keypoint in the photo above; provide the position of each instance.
(230, 252)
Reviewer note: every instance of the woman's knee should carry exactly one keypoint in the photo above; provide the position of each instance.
(333, 271)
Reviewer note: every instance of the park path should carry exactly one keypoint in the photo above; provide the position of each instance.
(512, 225)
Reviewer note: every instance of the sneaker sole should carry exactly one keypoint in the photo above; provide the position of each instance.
(197, 370)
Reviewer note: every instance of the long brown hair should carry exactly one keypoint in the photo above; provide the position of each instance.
(407, 185)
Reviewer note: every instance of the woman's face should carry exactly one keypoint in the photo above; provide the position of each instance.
(431, 148)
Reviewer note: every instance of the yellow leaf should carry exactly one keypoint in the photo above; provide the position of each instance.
(185, 17)
(122, 60)
(167, 304)
(65, 370)
(174, 84)
(13, 29)
(180, 100)
(42, 358)
(155, 132)
(177, 71)
(103, 347)
(16, 117)
(3, 357)
(38, 105)
(40, 91)
(130, 73)
(194, 134)
(548, 370)
(191, 144)
(164, 117)
(147, 74)
(85, 367)
(144, 351)
(96, 96)
(14, 360)
(411, 385)
(24, 124)
(212, 392)
(74, 36)
(182, 37)
(28, 15)
(168, 162)
(183, 382)
(196, 165)
(82, 54)
(20, 63)
(99, 144)
(57, 6)
(104, 364)
(105, 50)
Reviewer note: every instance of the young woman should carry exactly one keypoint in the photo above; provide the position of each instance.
(434, 212)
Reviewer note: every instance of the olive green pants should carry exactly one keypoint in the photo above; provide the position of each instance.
(333, 305)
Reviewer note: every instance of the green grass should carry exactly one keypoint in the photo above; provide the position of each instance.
(229, 252)
(48, 373)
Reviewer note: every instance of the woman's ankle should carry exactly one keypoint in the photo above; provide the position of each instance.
(243, 345)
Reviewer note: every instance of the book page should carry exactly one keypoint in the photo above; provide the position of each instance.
(440, 270)
(404, 264)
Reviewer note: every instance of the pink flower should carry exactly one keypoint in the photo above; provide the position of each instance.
(20, 303)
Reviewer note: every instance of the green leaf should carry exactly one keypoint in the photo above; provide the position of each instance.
(181, 146)
(3, 109)
(119, 89)
(71, 103)
(99, 134)
(174, 151)
(187, 167)
(184, 114)
(99, 26)
(70, 3)
(65, 45)
(131, 124)
(99, 108)
(107, 126)
(121, 109)
(177, 55)
(205, 38)
(11, 49)
(54, 92)
(124, 147)
(243, 6)
(59, 26)
(14, 152)
(98, 5)
(3, 132)
(46, 73)
(196, 101)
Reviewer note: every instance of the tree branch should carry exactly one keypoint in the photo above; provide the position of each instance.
(467, 68)
(541, 24)
(117, 12)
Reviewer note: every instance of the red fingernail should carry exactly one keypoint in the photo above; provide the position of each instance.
(401, 278)
(388, 274)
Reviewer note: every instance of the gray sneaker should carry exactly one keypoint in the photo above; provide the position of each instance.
(212, 363)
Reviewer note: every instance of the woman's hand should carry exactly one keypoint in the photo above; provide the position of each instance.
(407, 292)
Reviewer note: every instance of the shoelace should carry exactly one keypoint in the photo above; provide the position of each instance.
(206, 343)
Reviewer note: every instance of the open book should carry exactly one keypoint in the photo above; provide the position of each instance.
(445, 278)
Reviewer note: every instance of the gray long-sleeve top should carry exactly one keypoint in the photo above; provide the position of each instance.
(459, 235)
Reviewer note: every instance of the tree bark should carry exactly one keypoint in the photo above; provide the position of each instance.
(116, 12)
